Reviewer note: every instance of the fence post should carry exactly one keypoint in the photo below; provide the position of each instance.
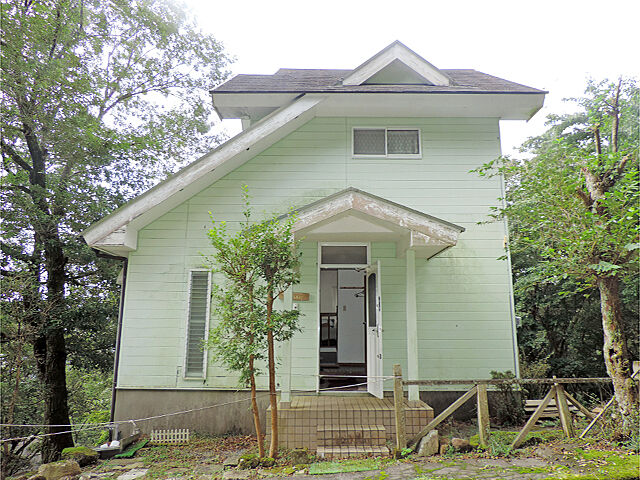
(483, 415)
(563, 410)
(398, 404)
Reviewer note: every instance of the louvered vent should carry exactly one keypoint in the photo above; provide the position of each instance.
(198, 311)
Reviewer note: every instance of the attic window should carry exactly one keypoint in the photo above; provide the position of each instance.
(386, 142)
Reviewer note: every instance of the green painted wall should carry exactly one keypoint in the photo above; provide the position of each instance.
(464, 322)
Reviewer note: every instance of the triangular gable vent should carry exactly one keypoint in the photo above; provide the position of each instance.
(397, 65)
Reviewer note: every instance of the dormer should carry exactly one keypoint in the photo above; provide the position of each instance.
(397, 65)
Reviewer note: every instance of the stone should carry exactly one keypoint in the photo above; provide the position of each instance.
(236, 475)
(460, 445)
(134, 473)
(57, 470)
(429, 445)
(70, 477)
(83, 455)
(232, 460)
(300, 456)
(267, 462)
(444, 445)
(248, 461)
(36, 477)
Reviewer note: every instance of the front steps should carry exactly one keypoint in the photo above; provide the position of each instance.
(346, 425)
(340, 441)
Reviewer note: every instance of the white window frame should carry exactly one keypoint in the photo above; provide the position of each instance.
(206, 326)
(386, 155)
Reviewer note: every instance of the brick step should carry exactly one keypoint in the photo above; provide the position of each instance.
(345, 452)
(351, 435)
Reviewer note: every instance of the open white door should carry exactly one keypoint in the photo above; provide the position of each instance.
(374, 331)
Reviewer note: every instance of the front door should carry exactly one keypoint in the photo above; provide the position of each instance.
(374, 331)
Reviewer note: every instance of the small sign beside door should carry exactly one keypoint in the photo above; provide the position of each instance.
(297, 297)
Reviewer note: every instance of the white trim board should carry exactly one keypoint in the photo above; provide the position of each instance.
(117, 232)
(397, 51)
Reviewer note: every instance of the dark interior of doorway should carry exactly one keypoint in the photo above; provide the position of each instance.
(342, 346)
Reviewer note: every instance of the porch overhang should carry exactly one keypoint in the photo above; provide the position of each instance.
(353, 215)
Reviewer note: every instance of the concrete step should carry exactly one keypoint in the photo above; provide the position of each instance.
(352, 451)
(351, 435)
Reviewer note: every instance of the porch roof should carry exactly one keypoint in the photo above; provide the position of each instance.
(355, 215)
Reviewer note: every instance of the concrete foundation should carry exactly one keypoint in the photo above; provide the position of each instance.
(235, 416)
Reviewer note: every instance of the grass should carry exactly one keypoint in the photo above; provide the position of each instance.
(349, 465)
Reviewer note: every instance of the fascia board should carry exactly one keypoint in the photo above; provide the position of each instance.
(190, 180)
(505, 106)
(406, 56)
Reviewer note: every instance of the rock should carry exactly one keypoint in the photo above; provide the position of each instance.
(57, 470)
(248, 461)
(83, 455)
(236, 475)
(135, 473)
(232, 460)
(267, 462)
(444, 445)
(36, 477)
(70, 477)
(300, 456)
(429, 445)
(460, 445)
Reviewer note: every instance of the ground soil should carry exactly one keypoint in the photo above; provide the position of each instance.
(214, 458)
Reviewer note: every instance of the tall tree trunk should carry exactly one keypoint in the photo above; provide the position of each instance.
(50, 349)
(273, 400)
(616, 355)
(256, 411)
(50, 353)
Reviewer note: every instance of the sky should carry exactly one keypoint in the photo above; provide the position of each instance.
(551, 45)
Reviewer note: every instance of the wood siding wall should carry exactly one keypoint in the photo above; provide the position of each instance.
(464, 321)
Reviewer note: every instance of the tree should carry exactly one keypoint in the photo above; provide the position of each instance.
(100, 99)
(258, 262)
(575, 203)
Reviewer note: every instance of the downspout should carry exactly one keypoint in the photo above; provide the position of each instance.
(116, 361)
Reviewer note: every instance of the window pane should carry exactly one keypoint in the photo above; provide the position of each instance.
(368, 141)
(344, 254)
(402, 142)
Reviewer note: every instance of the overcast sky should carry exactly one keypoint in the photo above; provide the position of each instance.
(551, 45)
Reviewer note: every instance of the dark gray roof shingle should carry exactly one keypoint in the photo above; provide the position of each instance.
(290, 80)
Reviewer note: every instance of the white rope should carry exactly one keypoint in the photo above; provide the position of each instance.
(96, 426)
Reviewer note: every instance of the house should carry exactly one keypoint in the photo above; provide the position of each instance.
(396, 267)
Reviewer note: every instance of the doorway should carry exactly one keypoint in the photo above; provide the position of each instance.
(342, 309)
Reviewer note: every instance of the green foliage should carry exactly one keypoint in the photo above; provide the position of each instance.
(573, 208)
(252, 265)
(508, 409)
(99, 100)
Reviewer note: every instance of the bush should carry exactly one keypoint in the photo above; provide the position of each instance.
(508, 409)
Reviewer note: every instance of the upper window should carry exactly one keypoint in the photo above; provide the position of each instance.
(386, 142)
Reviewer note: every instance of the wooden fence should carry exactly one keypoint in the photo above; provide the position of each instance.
(479, 390)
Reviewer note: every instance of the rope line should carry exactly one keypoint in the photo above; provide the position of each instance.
(96, 426)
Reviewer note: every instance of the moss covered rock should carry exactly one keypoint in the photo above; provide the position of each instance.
(57, 470)
(83, 455)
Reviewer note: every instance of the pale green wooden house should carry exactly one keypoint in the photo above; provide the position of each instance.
(396, 267)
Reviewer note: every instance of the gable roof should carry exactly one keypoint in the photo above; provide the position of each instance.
(292, 80)
(292, 97)
(353, 214)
